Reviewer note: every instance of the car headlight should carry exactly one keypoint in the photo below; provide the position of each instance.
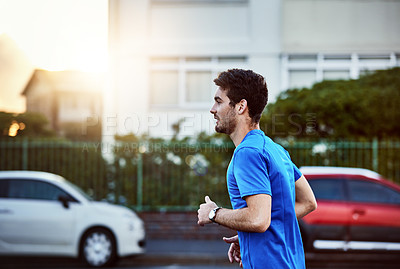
(129, 215)
(133, 221)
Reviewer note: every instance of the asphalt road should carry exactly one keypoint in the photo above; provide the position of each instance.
(196, 254)
(142, 263)
(53, 263)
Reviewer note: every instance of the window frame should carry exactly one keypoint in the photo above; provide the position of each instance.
(368, 181)
(339, 178)
(353, 63)
(71, 198)
(185, 64)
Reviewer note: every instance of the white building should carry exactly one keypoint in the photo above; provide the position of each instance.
(166, 53)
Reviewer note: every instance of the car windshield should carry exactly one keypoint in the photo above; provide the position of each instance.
(79, 190)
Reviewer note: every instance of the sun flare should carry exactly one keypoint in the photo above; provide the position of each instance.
(66, 35)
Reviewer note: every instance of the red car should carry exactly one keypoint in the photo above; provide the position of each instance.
(357, 210)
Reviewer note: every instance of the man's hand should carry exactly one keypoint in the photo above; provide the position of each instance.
(204, 210)
(234, 249)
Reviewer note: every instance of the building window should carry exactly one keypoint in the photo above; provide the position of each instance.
(336, 74)
(164, 87)
(198, 86)
(301, 78)
(187, 81)
(303, 70)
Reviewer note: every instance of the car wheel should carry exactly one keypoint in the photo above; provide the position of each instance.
(98, 248)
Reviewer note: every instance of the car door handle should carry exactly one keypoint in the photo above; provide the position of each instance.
(357, 213)
(5, 211)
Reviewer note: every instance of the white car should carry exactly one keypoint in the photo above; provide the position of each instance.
(44, 214)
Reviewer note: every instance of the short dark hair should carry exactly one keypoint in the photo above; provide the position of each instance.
(245, 84)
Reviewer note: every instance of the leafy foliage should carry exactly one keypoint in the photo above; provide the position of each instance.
(28, 124)
(81, 131)
(177, 172)
(352, 109)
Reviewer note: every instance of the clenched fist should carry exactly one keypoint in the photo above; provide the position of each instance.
(204, 211)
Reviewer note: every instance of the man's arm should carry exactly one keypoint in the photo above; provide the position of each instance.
(305, 200)
(256, 217)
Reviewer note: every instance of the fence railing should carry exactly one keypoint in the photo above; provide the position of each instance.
(380, 156)
(175, 176)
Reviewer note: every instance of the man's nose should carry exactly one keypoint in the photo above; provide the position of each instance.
(212, 110)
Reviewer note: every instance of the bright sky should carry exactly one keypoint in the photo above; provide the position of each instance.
(59, 34)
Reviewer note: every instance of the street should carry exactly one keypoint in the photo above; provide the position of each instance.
(320, 261)
(208, 254)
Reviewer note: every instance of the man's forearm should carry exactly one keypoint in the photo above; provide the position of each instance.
(255, 217)
(300, 210)
(241, 220)
(303, 209)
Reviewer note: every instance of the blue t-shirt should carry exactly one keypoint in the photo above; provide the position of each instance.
(260, 166)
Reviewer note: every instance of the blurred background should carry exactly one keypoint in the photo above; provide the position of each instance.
(115, 95)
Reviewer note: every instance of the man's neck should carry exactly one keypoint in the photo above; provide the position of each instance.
(241, 131)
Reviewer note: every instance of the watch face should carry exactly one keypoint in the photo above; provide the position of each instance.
(211, 216)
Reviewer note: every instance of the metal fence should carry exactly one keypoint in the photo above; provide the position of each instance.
(175, 176)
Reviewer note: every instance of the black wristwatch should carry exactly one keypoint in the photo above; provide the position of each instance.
(213, 214)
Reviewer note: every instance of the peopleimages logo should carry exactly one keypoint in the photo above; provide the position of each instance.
(167, 125)
(292, 124)
(157, 125)
(155, 147)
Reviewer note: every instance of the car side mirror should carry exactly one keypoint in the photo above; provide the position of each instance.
(64, 200)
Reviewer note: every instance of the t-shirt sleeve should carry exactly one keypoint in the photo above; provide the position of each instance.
(250, 171)
(297, 173)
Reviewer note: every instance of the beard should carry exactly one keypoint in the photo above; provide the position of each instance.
(228, 125)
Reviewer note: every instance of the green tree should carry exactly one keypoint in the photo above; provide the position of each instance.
(175, 172)
(354, 109)
(25, 124)
(81, 131)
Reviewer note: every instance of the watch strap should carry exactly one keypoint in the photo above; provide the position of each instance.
(215, 214)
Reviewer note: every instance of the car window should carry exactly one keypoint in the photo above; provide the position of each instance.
(371, 192)
(33, 189)
(3, 188)
(328, 189)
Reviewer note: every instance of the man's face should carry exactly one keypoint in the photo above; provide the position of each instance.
(224, 113)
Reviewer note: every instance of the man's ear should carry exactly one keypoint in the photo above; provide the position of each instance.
(241, 106)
